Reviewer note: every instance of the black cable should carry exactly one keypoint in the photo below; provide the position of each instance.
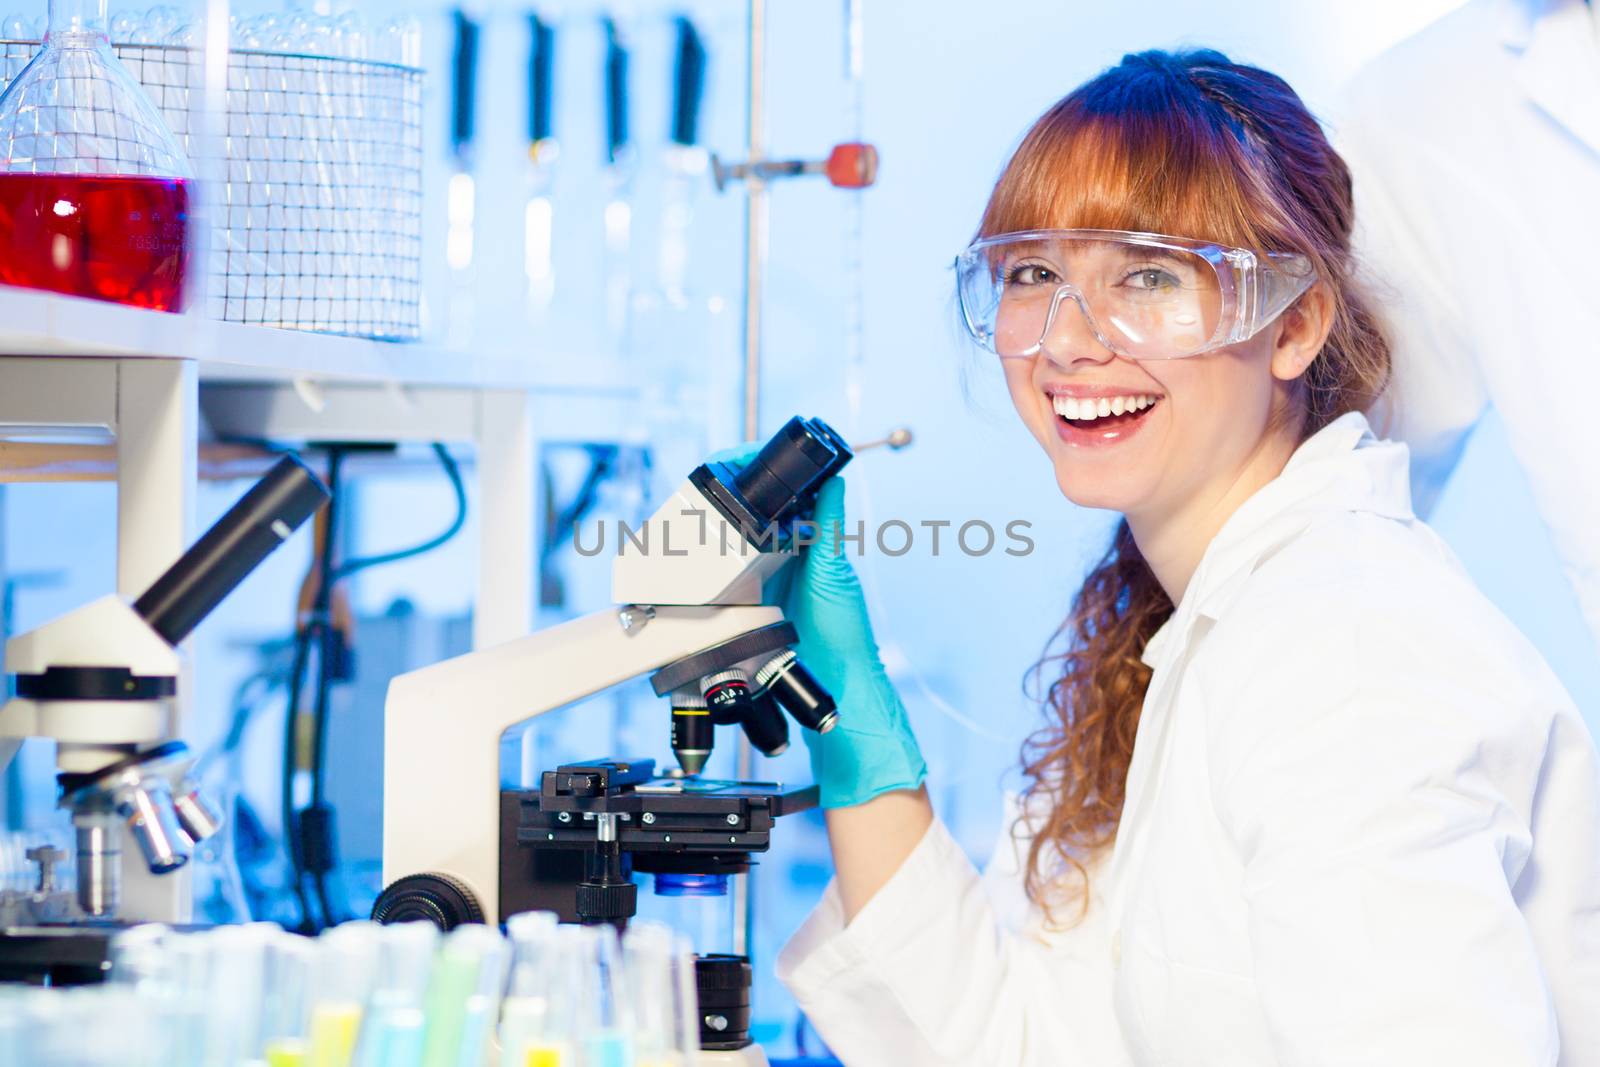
(328, 650)
(317, 626)
(291, 841)
(453, 472)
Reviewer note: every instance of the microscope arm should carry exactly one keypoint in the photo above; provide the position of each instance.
(442, 726)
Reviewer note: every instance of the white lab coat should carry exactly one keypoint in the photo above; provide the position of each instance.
(1475, 151)
(1362, 827)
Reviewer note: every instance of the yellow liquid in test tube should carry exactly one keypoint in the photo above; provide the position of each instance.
(543, 1056)
(286, 1053)
(333, 1035)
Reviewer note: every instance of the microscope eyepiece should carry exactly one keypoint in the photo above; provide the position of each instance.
(785, 474)
(262, 520)
(795, 460)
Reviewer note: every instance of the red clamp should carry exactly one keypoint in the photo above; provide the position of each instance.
(852, 165)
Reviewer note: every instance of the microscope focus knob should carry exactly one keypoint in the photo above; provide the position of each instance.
(445, 901)
(612, 902)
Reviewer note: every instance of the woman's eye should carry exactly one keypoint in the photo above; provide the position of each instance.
(1152, 280)
(1032, 274)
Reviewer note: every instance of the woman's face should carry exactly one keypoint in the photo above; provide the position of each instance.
(1189, 428)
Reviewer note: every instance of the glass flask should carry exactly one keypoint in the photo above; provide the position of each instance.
(94, 189)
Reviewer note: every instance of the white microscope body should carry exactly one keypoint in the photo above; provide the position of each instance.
(691, 582)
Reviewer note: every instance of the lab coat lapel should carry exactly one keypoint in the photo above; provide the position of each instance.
(1560, 67)
(1331, 471)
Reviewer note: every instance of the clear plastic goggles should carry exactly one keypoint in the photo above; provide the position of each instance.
(1143, 295)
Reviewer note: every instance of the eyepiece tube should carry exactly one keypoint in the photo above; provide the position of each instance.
(262, 520)
(787, 471)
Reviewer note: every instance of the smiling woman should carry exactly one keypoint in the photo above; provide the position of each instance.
(1102, 307)
(1301, 794)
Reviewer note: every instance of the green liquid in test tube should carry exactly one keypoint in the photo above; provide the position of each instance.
(462, 994)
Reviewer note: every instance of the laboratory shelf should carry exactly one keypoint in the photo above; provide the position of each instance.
(34, 323)
(91, 389)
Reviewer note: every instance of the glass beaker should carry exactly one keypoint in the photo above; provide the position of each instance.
(94, 190)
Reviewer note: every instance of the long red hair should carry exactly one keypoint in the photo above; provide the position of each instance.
(1195, 145)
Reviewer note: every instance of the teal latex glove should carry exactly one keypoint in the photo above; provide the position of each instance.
(871, 749)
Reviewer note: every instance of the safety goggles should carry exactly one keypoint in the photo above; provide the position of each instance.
(1143, 295)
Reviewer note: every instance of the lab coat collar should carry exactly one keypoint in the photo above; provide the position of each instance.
(1342, 467)
(1559, 62)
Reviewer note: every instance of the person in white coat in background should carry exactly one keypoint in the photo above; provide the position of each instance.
(1302, 795)
(1475, 148)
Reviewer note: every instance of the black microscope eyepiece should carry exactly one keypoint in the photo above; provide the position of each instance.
(790, 467)
(780, 482)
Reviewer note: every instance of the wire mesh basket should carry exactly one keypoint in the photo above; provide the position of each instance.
(316, 220)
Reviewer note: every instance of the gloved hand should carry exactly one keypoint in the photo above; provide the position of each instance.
(871, 748)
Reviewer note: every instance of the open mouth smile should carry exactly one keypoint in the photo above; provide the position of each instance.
(1090, 421)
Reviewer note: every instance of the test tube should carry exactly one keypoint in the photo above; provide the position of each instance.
(235, 987)
(649, 950)
(686, 1001)
(286, 1009)
(346, 969)
(184, 992)
(536, 1017)
(463, 993)
(602, 1012)
(394, 1030)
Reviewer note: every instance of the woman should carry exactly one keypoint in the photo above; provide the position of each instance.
(1304, 796)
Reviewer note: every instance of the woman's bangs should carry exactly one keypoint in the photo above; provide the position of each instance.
(1164, 174)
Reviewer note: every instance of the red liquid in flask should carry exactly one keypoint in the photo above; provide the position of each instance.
(108, 237)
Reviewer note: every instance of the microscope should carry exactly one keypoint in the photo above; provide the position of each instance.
(101, 681)
(457, 848)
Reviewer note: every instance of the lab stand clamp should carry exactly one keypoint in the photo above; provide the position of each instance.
(101, 681)
(691, 618)
(852, 165)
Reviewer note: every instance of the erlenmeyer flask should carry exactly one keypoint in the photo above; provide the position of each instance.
(94, 190)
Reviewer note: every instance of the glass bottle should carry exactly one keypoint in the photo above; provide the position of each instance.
(94, 190)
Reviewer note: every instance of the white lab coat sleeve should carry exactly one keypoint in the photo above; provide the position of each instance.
(1436, 392)
(925, 975)
(1375, 775)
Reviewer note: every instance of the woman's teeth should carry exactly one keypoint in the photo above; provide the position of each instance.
(1084, 409)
